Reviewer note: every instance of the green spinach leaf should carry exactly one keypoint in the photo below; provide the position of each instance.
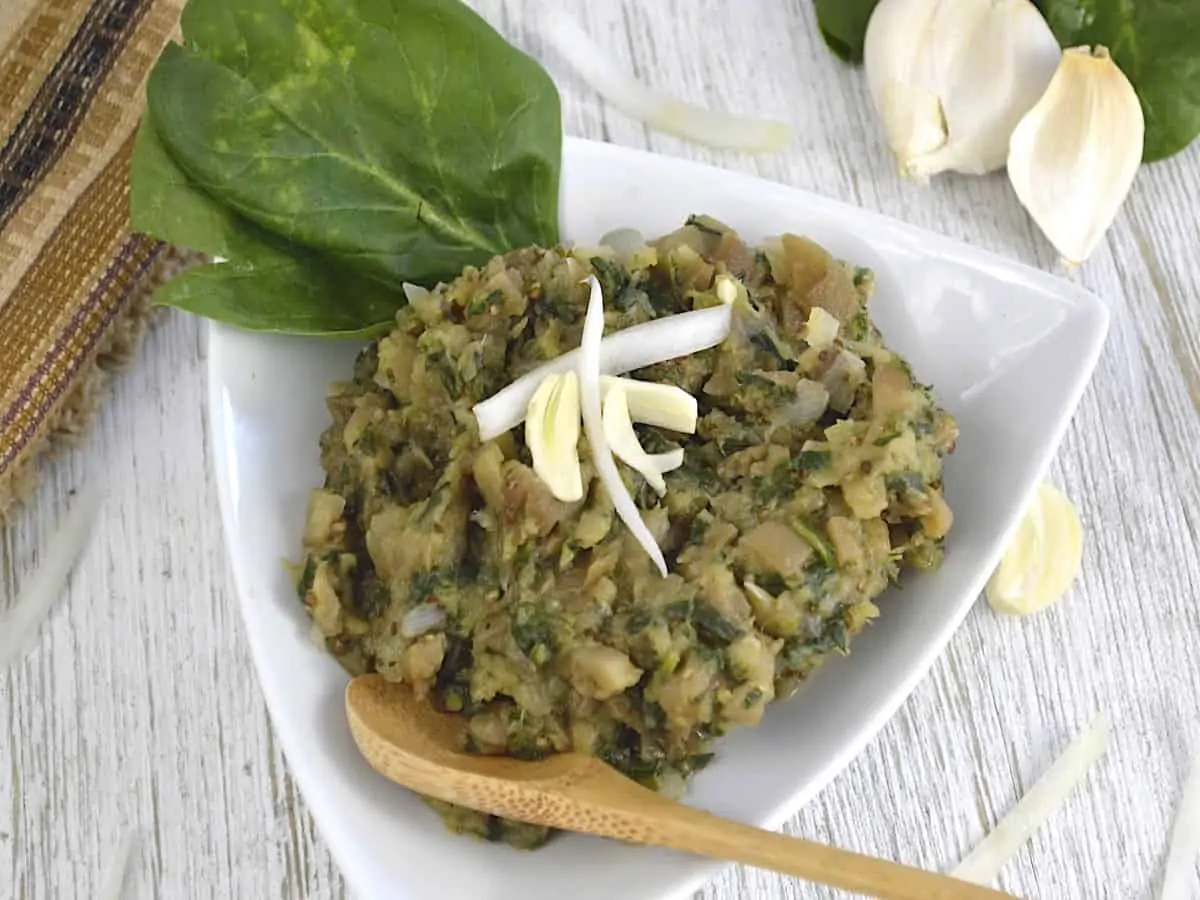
(404, 138)
(843, 24)
(266, 284)
(1157, 45)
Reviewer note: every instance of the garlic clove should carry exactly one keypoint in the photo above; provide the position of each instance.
(651, 403)
(898, 75)
(1073, 157)
(1042, 559)
(552, 426)
(618, 429)
(951, 80)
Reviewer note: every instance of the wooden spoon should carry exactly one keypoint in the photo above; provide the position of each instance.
(412, 744)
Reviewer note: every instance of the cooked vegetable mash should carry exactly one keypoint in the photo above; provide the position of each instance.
(813, 479)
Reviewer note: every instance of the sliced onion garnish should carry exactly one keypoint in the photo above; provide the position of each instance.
(983, 864)
(618, 429)
(1185, 841)
(651, 403)
(658, 110)
(658, 340)
(112, 882)
(20, 625)
(593, 426)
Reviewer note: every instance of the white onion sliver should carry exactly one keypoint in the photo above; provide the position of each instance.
(652, 403)
(983, 864)
(20, 625)
(658, 340)
(618, 430)
(669, 461)
(636, 100)
(1185, 841)
(112, 883)
(593, 426)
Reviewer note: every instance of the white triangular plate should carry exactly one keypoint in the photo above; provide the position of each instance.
(1009, 351)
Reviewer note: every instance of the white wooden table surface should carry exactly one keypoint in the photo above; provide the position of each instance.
(140, 707)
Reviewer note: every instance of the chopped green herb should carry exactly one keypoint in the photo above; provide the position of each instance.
(639, 620)
(695, 763)
(812, 460)
(814, 540)
(713, 626)
(480, 305)
(707, 224)
(530, 629)
(753, 698)
(905, 483)
(371, 598)
(771, 582)
(859, 326)
(304, 585)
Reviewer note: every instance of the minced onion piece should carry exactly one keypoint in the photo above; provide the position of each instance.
(821, 329)
(624, 242)
(422, 619)
(651, 403)
(812, 399)
(665, 113)
(842, 379)
(1185, 841)
(112, 882)
(618, 429)
(590, 347)
(20, 625)
(983, 864)
(668, 337)
(414, 291)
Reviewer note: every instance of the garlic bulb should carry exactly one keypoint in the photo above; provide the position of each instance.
(951, 78)
(1042, 559)
(1073, 156)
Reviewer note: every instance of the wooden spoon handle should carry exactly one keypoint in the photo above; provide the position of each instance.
(608, 804)
(699, 832)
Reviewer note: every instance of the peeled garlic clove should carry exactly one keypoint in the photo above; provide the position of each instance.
(552, 427)
(651, 403)
(1042, 559)
(950, 80)
(618, 429)
(1073, 156)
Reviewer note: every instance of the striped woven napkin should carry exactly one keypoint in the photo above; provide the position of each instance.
(74, 281)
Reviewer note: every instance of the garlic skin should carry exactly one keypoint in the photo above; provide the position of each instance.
(952, 78)
(1073, 157)
(1042, 558)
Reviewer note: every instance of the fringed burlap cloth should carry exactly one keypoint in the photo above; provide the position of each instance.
(74, 282)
